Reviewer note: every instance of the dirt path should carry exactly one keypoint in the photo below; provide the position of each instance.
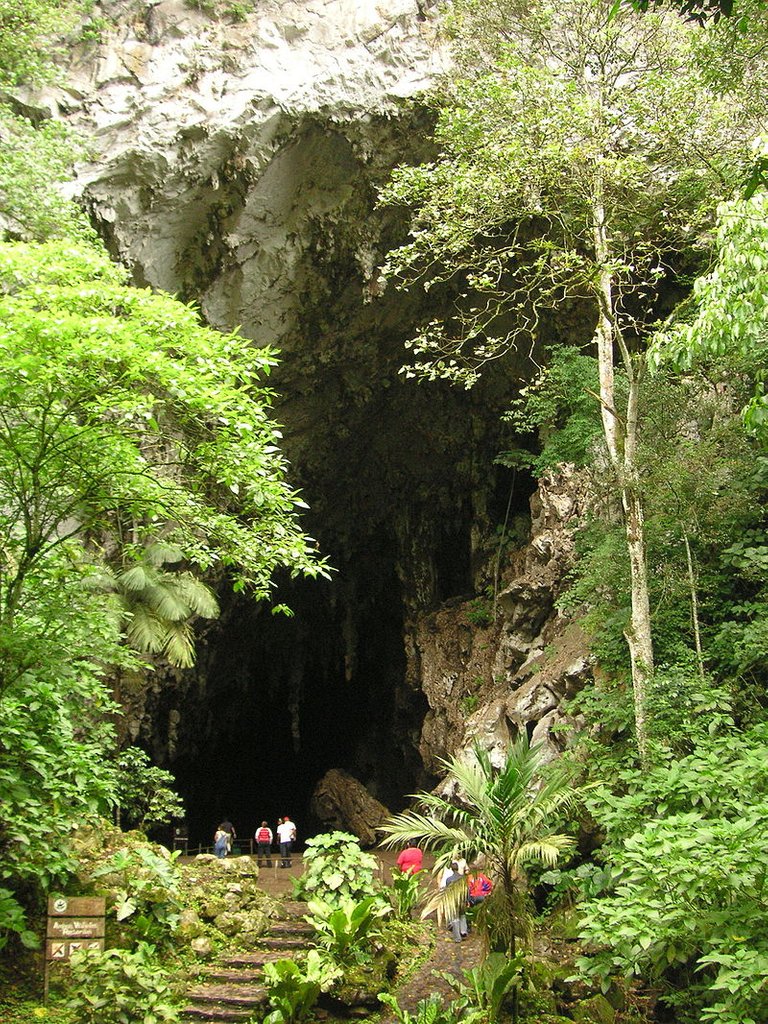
(446, 955)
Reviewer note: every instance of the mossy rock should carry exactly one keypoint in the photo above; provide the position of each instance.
(596, 1010)
(363, 982)
(190, 926)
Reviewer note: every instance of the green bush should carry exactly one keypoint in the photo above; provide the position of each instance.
(335, 868)
(143, 887)
(404, 893)
(432, 1010)
(13, 921)
(345, 929)
(486, 987)
(120, 986)
(293, 990)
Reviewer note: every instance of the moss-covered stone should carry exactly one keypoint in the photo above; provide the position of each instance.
(596, 1010)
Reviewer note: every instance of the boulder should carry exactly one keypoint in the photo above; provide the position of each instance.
(341, 802)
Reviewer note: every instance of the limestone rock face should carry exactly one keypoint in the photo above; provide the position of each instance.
(489, 681)
(227, 151)
(341, 802)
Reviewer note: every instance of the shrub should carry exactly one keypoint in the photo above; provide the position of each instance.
(335, 868)
(293, 990)
(120, 986)
(429, 1011)
(404, 893)
(345, 929)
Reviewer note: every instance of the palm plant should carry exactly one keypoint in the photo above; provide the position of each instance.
(506, 815)
(158, 605)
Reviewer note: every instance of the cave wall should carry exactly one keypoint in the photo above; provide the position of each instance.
(237, 165)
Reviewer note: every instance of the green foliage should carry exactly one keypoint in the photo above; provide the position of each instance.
(529, 148)
(486, 987)
(574, 885)
(561, 406)
(479, 612)
(294, 990)
(144, 793)
(143, 885)
(684, 884)
(432, 1010)
(120, 986)
(690, 890)
(159, 605)
(29, 32)
(502, 814)
(404, 893)
(335, 868)
(729, 309)
(235, 10)
(13, 919)
(35, 161)
(101, 377)
(685, 708)
(54, 728)
(345, 928)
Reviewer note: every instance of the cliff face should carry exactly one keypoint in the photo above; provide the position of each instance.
(237, 164)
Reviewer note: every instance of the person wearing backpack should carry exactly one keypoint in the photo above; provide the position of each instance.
(264, 844)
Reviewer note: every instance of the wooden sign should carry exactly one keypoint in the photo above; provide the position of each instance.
(56, 949)
(74, 922)
(75, 927)
(77, 906)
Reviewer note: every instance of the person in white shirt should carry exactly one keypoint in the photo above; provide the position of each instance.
(461, 868)
(286, 834)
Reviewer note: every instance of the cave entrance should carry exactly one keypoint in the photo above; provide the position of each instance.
(286, 699)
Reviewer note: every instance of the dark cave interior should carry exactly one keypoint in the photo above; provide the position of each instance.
(280, 700)
(286, 699)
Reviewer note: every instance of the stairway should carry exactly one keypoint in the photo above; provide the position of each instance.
(233, 989)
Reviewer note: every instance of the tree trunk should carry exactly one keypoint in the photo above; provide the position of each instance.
(621, 446)
(694, 605)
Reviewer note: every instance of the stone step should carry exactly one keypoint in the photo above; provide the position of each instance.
(232, 975)
(228, 995)
(216, 1015)
(283, 942)
(257, 959)
(291, 927)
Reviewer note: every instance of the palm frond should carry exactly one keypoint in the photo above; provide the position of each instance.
(543, 851)
(145, 631)
(447, 903)
(168, 602)
(178, 647)
(138, 577)
(410, 826)
(161, 552)
(200, 598)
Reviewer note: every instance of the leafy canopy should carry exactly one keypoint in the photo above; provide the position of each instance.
(557, 119)
(119, 409)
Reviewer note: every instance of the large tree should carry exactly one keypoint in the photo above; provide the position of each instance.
(581, 152)
(121, 415)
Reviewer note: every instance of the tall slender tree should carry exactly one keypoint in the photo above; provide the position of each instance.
(582, 149)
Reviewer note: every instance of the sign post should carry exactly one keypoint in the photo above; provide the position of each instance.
(74, 923)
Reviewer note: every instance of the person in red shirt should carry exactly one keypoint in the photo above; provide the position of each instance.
(478, 887)
(263, 839)
(410, 860)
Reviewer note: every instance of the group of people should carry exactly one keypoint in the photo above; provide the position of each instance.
(286, 837)
(479, 885)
